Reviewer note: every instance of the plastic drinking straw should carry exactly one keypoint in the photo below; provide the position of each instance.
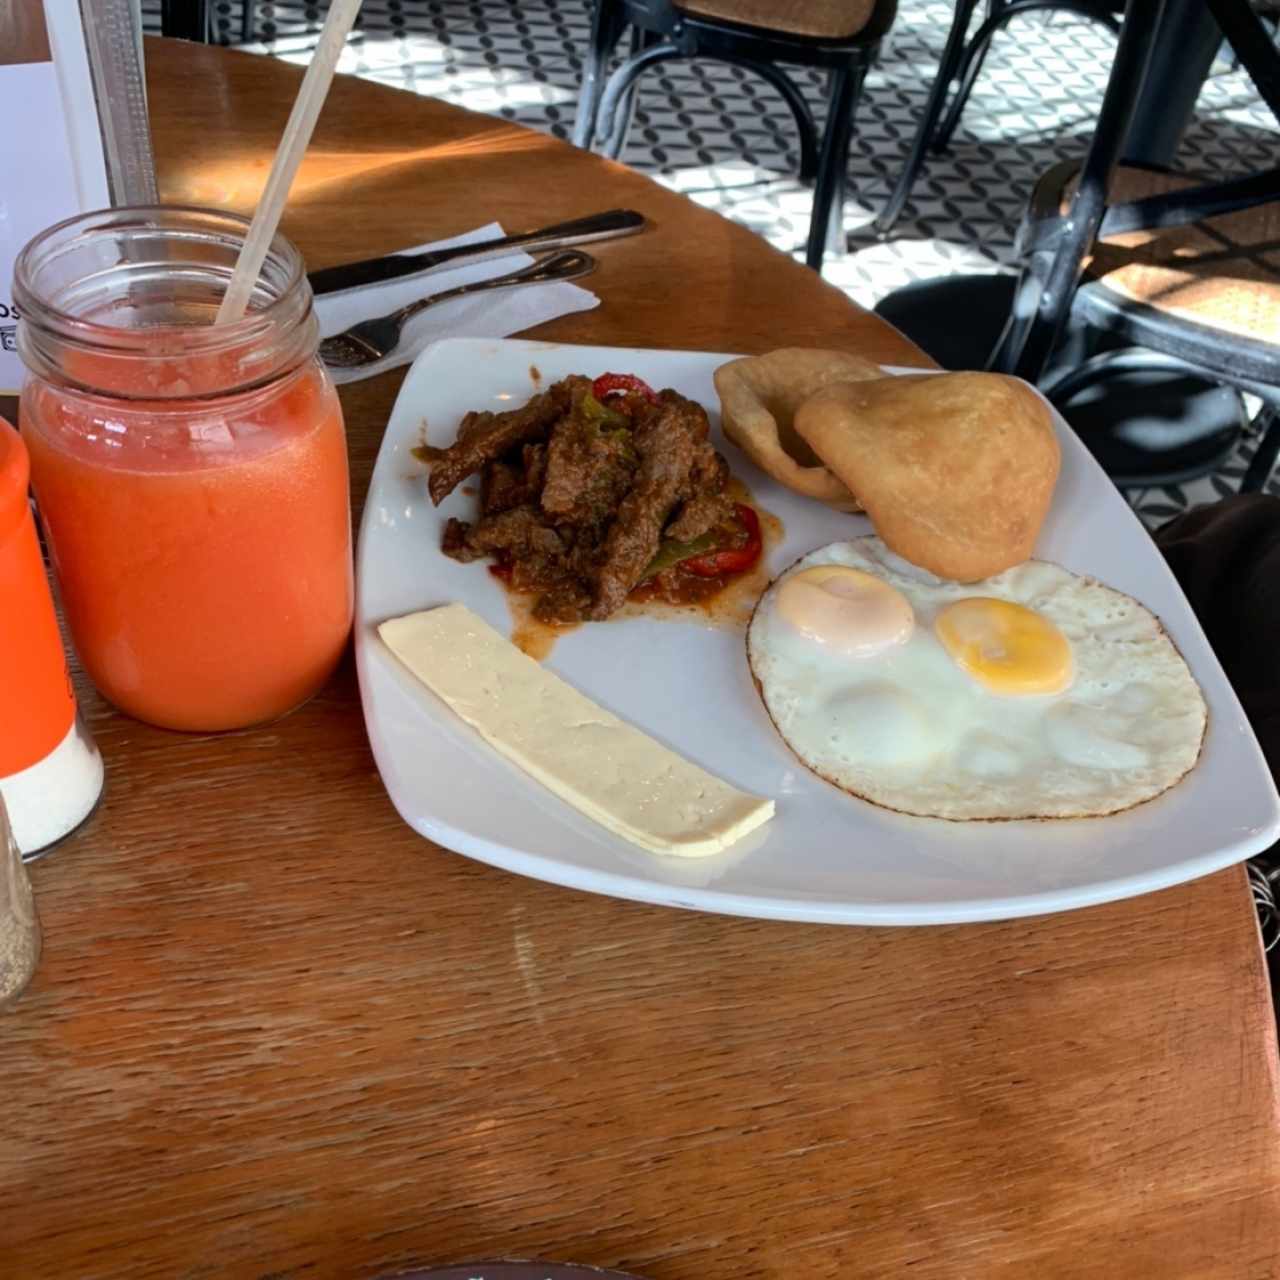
(293, 145)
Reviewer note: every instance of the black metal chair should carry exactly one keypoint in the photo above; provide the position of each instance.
(1181, 272)
(838, 36)
(1141, 291)
(961, 63)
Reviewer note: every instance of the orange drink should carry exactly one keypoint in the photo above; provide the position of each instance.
(192, 479)
(204, 589)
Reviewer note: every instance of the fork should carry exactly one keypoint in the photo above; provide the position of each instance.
(372, 340)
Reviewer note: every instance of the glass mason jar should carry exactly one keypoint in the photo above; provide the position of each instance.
(191, 477)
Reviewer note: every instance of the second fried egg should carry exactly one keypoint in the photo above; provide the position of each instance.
(1035, 694)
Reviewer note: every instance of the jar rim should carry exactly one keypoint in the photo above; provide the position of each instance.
(120, 302)
(202, 338)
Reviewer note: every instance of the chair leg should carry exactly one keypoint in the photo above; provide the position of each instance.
(185, 19)
(1250, 41)
(951, 55)
(612, 122)
(806, 126)
(619, 122)
(606, 30)
(968, 72)
(975, 55)
(1052, 272)
(846, 85)
(640, 41)
(618, 101)
(1264, 456)
(837, 243)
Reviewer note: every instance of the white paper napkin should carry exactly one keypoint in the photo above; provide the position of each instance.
(496, 314)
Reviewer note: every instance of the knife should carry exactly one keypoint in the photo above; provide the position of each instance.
(600, 226)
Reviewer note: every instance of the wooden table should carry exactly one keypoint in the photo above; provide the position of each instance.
(275, 1032)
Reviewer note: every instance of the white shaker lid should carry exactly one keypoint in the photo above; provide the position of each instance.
(55, 795)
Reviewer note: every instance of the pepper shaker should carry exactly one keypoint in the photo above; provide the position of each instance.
(19, 925)
(50, 769)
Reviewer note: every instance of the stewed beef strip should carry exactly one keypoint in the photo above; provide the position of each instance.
(588, 470)
(534, 459)
(535, 554)
(700, 515)
(566, 595)
(564, 604)
(501, 488)
(474, 422)
(455, 545)
(504, 485)
(667, 450)
(706, 503)
(515, 533)
(482, 442)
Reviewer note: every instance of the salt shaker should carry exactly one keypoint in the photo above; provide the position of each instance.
(19, 925)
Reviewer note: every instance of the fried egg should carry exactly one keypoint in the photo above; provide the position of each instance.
(1034, 694)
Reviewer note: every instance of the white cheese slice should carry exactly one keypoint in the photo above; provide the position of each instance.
(602, 766)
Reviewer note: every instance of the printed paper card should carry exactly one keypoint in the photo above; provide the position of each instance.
(51, 154)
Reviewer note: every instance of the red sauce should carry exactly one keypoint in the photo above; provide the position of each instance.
(675, 587)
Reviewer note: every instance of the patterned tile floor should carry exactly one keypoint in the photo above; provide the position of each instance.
(724, 138)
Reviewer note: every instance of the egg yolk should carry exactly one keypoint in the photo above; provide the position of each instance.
(845, 610)
(1006, 647)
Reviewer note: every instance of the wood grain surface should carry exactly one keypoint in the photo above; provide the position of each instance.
(276, 1033)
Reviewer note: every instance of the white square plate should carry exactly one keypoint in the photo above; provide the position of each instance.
(825, 856)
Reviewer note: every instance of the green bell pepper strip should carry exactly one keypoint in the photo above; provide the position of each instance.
(704, 556)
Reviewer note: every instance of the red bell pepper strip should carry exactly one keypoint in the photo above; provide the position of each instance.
(735, 559)
(608, 384)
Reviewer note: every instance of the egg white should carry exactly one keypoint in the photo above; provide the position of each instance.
(909, 730)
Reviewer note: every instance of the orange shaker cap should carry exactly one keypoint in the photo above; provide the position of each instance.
(37, 706)
(15, 475)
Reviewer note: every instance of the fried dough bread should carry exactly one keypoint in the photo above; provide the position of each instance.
(759, 396)
(955, 470)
